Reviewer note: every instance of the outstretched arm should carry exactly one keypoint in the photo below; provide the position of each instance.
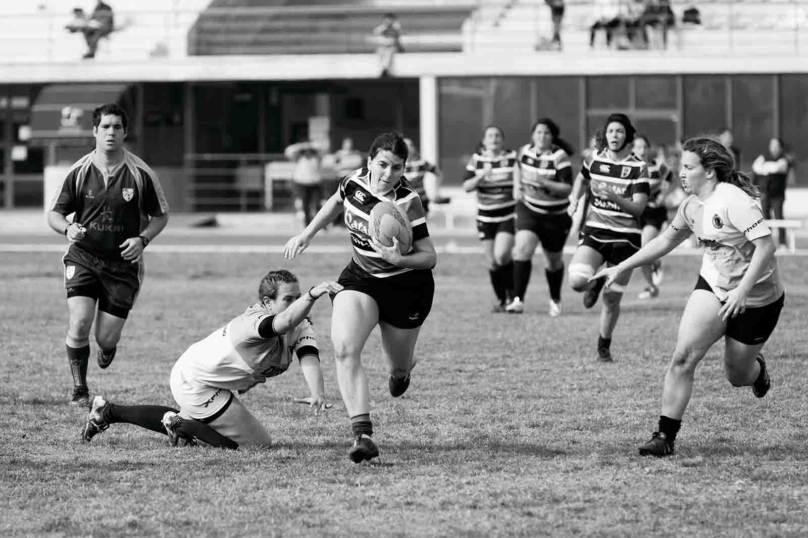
(297, 311)
(327, 214)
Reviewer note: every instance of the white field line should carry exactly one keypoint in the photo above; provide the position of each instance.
(448, 248)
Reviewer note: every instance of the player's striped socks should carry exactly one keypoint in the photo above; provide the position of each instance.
(361, 424)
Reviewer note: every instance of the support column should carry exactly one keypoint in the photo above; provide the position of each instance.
(189, 148)
(8, 169)
(428, 90)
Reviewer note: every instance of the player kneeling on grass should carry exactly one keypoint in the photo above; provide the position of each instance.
(382, 285)
(252, 347)
(738, 295)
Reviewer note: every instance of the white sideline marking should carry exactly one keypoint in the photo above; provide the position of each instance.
(449, 248)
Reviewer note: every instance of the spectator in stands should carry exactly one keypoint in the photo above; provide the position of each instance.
(607, 18)
(771, 171)
(726, 138)
(556, 15)
(657, 18)
(307, 178)
(388, 34)
(100, 24)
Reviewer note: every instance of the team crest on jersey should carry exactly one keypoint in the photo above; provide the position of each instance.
(359, 196)
(625, 172)
(717, 222)
(604, 168)
(70, 270)
(128, 194)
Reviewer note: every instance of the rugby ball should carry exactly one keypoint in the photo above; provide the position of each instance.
(387, 221)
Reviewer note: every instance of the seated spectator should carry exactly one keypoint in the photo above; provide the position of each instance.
(389, 40)
(691, 15)
(306, 179)
(556, 15)
(656, 20)
(607, 18)
(632, 12)
(100, 24)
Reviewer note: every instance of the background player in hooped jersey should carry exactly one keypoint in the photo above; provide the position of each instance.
(249, 349)
(738, 295)
(381, 285)
(113, 193)
(418, 171)
(542, 190)
(492, 172)
(655, 214)
(618, 188)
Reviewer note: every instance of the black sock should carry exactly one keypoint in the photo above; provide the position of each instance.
(496, 282)
(554, 281)
(669, 426)
(145, 416)
(507, 279)
(190, 428)
(361, 424)
(78, 358)
(521, 277)
(604, 343)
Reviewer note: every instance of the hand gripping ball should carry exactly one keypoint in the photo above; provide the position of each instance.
(387, 221)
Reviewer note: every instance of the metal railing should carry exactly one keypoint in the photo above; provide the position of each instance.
(779, 26)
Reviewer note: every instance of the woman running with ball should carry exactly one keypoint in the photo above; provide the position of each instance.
(381, 286)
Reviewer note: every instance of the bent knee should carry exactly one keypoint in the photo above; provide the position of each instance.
(579, 275)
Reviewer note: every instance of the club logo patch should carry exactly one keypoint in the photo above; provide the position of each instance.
(717, 222)
(625, 172)
(70, 270)
(360, 196)
(604, 168)
(128, 194)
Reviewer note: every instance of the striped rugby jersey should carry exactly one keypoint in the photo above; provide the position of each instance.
(627, 177)
(236, 357)
(495, 202)
(112, 208)
(358, 201)
(658, 172)
(552, 164)
(415, 172)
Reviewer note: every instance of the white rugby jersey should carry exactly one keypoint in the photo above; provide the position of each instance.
(726, 224)
(235, 357)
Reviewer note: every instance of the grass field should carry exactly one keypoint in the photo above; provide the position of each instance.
(510, 427)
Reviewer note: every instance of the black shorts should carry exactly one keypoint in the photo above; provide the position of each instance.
(404, 300)
(114, 284)
(614, 247)
(489, 230)
(654, 216)
(754, 325)
(552, 230)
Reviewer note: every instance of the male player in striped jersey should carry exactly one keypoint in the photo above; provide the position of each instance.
(252, 347)
(655, 214)
(381, 286)
(119, 208)
(492, 172)
(542, 191)
(618, 188)
(416, 172)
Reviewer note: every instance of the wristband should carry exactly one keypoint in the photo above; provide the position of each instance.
(69, 224)
(311, 297)
(145, 240)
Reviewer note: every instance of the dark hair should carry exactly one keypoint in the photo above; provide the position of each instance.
(714, 156)
(110, 109)
(497, 127)
(555, 132)
(270, 283)
(623, 120)
(392, 142)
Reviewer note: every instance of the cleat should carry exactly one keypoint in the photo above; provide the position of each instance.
(363, 449)
(591, 295)
(105, 358)
(658, 446)
(657, 273)
(81, 397)
(515, 307)
(648, 293)
(604, 355)
(398, 386)
(555, 309)
(763, 383)
(96, 422)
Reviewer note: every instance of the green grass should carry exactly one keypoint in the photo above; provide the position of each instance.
(509, 428)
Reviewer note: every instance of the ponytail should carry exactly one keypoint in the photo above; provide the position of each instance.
(743, 182)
